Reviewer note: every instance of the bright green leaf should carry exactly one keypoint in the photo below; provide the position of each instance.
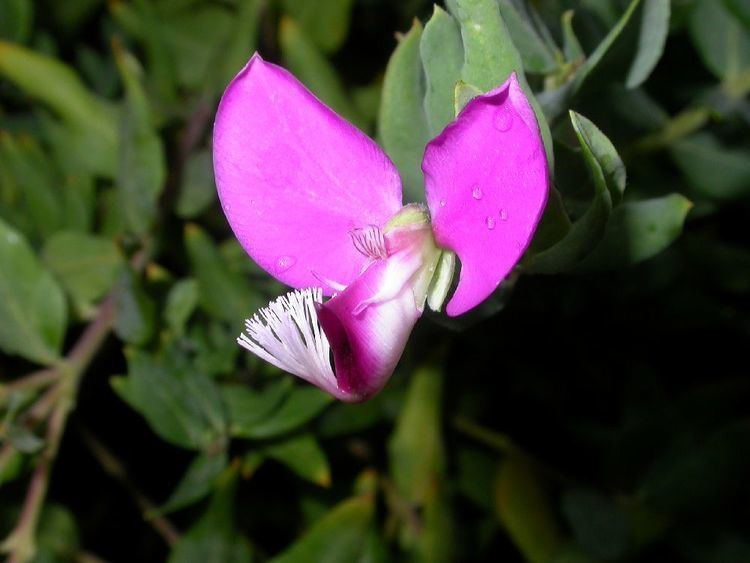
(33, 314)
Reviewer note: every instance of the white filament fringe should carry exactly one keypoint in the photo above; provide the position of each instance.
(287, 334)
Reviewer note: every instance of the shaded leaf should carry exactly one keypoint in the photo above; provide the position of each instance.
(314, 70)
(325, 22)
(181, 405)
(338, 537)
(442, 55)
(197, 481)
(651, 41)
(135, 311)
(700, 156)
(599, 525)
(721, 41)
(522, 505)
(303, 455)
(402, 121)
(198, 190)
(416, 447)
(637, 231)
(536, 55)
(86, 265)
(142, 164)
(33, 313)
(181, 302)
(214, 538)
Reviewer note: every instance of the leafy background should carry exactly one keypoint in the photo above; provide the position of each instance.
(595, 409)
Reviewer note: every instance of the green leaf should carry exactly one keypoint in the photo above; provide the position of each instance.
(555, 102)
(325, 22)
(181, 405)
(571, 46)
(608, 173)
(181, 302)
(214, 538)
(241, 41)
(700, 156)
(314, 70)
(490, 56)
(198, 190)
(463, 94)
(523, 507)
(442, 55)
(86, 265)
(651, 41)
(142, 165)
(248, 408)
(135, 311)
(84, 113)
(197, 482)
(57, 536)
(740, 9)
(31, 193)
(402, 121)
(416, 447)
(24, 440)
(536, 55)
(303, 455)
(223, 293)
(298, 407)
(599, 525)
(338, 537)
(33, 314)
(16, 19)
(637, 231)
(721, 41)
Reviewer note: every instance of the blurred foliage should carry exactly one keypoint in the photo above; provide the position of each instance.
(595, 409)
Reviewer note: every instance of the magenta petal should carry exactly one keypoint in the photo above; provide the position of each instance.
(294, 178)
(368, 343)
(486, 179)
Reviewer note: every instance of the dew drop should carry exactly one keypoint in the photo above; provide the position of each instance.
(284, 263)
(503, 214)
(476, 193)
(490, 222)
(442, 203)
(503, 120)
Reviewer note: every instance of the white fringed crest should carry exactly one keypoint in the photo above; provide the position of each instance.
(287, 334)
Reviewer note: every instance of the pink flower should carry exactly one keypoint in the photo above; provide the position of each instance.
(317, 204)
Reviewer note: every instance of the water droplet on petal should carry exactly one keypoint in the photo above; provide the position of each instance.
(442, 203)
(476, 192)
(284, 263)
(503, 214)
(503, 120)
(490, 222)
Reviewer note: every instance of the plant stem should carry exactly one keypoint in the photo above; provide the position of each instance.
(114, 467)
(20, 544)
